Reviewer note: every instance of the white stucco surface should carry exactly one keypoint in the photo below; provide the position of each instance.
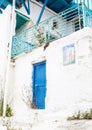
(68, 86)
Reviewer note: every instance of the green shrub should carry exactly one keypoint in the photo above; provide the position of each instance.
(81, 116)
(1, 107)
(8, 109)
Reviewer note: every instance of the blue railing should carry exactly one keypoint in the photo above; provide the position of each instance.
(18, 3)
(58, 26)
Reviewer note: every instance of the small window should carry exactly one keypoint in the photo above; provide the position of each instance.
(76, 24)
(54, 25)
(69, 54)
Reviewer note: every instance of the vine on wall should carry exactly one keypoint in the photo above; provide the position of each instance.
(27, 95)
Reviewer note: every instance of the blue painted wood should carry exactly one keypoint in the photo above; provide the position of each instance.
(41, 13)
(39, 85)
(58, 5)
(27, 7)
(0, 11)
(5, 3)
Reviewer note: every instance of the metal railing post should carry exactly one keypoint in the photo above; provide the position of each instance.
(79, 19)
(83, 9)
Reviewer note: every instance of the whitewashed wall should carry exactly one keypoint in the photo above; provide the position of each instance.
(4, 38)
(5, 24)
(5, 32)
(35, 12)
(5, 20)
(35, 8)
(69, 88)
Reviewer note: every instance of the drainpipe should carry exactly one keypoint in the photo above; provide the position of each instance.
(9, 59)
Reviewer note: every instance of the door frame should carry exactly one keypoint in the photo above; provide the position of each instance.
(33, 78)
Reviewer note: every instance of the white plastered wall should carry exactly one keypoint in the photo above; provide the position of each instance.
(68, 87)
(5, 24)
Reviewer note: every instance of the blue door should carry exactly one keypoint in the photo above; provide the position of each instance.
(39, 84)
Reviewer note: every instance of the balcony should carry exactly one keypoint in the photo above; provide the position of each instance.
(58, 26)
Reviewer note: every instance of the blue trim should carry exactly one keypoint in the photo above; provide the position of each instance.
(5, 3)
(1, 2)
(41, 13)
(33, 83)
(27, 7)
(39, 85)
(21, 19)
(53, 3)
(65, 3)
(1, 11)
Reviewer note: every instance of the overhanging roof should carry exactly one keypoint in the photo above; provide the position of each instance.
(57, 5)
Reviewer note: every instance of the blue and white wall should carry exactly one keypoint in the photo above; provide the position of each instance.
(5, 31)
(35, 9)
(68, 86)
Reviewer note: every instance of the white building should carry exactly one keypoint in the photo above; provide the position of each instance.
(47, 82)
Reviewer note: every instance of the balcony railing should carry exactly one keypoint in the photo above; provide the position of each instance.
(58, 26)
